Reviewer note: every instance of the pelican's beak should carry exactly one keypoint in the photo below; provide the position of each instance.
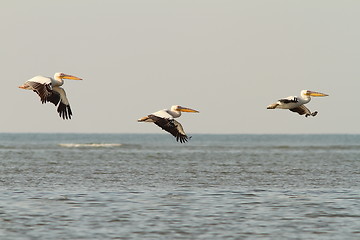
(316, 94)
(66, 76)
(184, 109)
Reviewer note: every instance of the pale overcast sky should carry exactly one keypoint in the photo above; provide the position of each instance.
(227, 59)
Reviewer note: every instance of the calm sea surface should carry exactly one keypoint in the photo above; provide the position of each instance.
(133, 186)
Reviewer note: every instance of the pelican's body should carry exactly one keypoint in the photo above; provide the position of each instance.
(296, 104)
(165, 119)
(50, 90)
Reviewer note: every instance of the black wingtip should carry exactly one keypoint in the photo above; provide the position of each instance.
(183, 139)
(64, 111)
(313, 114)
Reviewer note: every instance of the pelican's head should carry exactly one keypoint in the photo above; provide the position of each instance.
(183, 109)
(313, 94)
(65, 76)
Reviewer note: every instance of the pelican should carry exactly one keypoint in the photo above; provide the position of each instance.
(165, 120)
(296, 104)
(49, 90)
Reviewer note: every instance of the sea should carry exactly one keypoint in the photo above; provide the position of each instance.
(148, 186)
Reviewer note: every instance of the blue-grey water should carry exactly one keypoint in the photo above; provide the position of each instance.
(134, 186)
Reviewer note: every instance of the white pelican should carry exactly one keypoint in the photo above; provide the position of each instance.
(49, 90)
(296, 104)
(165, 120)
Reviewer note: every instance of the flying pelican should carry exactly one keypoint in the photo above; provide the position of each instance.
(165, 120)
(49, 90)
(296, 104)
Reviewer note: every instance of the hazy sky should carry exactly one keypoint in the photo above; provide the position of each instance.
(227, 59)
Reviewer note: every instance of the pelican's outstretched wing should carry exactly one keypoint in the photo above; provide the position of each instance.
(172, 126)
(42, 88)
(59, 96)
(303, 110)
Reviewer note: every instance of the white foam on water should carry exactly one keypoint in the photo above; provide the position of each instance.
(78, 145)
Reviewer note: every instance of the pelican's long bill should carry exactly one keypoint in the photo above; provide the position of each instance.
(184, 109)
(316, 94)
(67, 76)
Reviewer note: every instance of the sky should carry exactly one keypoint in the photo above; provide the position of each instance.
(228, 59)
